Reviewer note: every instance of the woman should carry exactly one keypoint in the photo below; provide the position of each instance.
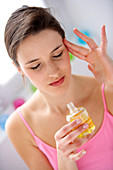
(38, 129)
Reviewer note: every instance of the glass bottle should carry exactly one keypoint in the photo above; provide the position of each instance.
(80, 113)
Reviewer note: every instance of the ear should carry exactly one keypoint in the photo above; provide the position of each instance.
(18, 68)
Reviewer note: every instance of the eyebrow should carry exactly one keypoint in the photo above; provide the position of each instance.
(56, 48)
(51, 53)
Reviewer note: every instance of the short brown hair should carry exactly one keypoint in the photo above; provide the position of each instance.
(27, 21)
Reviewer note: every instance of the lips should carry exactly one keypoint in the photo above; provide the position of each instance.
(58, 82)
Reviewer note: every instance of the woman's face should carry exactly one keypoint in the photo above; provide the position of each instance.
(44, 59)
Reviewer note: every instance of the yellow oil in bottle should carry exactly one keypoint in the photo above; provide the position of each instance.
(80, 113)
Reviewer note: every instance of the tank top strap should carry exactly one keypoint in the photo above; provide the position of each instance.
(103, 96)
(25, 122)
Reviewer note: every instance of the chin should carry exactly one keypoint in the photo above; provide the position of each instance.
(60, 91)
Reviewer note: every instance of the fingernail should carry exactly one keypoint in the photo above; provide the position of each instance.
(83, 152)
(74, 28)
(85, 125)
(78, 121)
(92, 133)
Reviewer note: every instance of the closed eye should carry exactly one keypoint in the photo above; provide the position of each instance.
(58, 55)
(35, 67)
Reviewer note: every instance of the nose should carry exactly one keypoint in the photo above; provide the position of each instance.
(52, 70)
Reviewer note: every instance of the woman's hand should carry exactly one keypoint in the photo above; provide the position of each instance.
(99, 63)
(67, 141)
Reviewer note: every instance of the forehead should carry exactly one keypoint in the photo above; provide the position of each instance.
(39, 44)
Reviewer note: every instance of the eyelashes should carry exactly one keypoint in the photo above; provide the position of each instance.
(56, 56)
(35, 67)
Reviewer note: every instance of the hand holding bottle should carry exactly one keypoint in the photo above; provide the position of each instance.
(67, 141)
(80, 113)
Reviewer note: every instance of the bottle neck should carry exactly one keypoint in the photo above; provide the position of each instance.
(71, 108)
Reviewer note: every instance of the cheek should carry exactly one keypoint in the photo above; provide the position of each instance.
(65, 63)
(30, 75)
(38, 79)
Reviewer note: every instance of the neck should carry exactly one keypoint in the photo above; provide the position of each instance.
(59, 103)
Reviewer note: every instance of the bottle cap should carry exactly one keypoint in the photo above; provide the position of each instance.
(71, 107)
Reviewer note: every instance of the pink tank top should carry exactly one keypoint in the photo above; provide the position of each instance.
(99, 148)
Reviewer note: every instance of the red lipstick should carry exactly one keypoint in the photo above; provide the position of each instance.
(57, 83)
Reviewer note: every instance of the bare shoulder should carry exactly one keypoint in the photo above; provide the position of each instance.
(16, 130)
(12, 124)
(25, 144)
(30, 112)
(15, 124)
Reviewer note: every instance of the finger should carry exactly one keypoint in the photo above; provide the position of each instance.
(68, 150)
(66, 129)
(73, 134)
(79, 49)
(77, 156)
(90, 67)
(72, 146)
(80, 56)
(103, 38)
(89, 136)
(91, 43)
(86, 138)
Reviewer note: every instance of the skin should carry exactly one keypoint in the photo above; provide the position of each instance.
(45, 107)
